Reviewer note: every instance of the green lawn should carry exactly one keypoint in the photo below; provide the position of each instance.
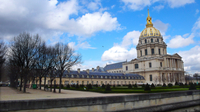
(125, 89)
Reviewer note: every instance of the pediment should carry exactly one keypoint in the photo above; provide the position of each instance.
(177, 55)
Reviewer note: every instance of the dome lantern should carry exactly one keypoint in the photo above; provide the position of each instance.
(149, 22)
(149, 30)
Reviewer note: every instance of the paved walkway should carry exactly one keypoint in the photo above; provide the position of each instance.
(7, 93)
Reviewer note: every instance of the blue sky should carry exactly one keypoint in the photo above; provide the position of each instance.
(106, 31)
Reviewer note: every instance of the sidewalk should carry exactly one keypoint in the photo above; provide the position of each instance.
(7, 93)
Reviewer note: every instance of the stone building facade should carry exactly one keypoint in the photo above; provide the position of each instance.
(153, 62)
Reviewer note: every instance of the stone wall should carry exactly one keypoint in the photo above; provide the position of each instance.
(162, 101)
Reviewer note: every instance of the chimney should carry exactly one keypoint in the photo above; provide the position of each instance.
(92, 69)
(97, 68)
(87, 71)
(68, 70)
(78, 70)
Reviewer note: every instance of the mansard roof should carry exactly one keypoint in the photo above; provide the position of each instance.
(114, 66)
(85, 74)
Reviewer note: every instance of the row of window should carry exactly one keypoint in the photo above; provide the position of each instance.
(116, 71)
(151, 40)
(152, 52)
(106, 82)
(103, 77)
(150, 65)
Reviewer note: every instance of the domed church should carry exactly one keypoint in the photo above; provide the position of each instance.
(152, 62)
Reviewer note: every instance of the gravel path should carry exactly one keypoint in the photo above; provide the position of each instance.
(7, 93)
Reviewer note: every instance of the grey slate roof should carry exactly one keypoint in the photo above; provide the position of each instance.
(84, 74)
(114, 66)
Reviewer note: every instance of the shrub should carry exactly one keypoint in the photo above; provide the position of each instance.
(89, 86)
(96, 85)
(195, 84)
(73, 85)
(159, 85)
(108, 88)
(113, 86)
(164, 85)
(185, 84)
(199, 84)
(103, 86)
(192, 87)
(147, 88)
(176, 83)
(68, 86)
(143, 86)
(135, 86)
(82, 86)
(152, 85)
(118, 85)
(181, 84)
(190, 83)
(77, 85)
(62, 85)
(170, 85)
(129, 86)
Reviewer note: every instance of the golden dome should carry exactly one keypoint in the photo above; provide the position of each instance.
(149, 30)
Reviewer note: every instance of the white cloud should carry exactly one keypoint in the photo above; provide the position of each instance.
(191, 59)
(80, 45)
(118, 53)
(141, 4)
(138, 4)
(196, 27)
(162, 27)
(94, 5)
(197, 11)
(179, 3)
(112, 6)
(91, 23)
(131, 38)
(89, 65)
(158, 8)
(180, 41)
(50, 18)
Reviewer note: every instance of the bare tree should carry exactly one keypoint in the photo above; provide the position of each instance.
(2, 57)
(23, 53)
(196, 76)
(66, 58)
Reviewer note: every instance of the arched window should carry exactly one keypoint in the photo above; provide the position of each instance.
(145, 40)
(151, 40)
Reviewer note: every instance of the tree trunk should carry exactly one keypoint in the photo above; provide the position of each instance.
(20, 84)
(60, 84)
(40, 82)
(25, 81)
(51, 86)
(44, 81)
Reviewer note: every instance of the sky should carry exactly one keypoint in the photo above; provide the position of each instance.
(106, 31)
